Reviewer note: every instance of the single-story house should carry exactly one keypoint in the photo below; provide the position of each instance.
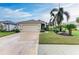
(7, 25)
(31, 25)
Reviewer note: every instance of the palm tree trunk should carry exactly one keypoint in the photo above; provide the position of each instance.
(60, 28)
(70, 32)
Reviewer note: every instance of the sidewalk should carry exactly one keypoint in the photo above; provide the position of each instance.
(52, 49)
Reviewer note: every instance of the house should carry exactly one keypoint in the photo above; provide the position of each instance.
(35, 25)
(7, 25)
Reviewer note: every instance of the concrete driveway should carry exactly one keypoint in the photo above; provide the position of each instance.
(30, 42)
(19, 44)
(51, 49)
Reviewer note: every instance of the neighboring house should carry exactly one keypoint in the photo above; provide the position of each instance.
(7, 25)
(32, 25)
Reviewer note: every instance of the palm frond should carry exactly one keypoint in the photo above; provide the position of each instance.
(50, 21)
(52, 11)
(53, 21)
(67, 15)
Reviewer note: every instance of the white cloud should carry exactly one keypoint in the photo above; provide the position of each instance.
(21, 9)
(45, 16)
(66, 5)
(17, 14)
(73, 10)
(40, 13)
(44, 13)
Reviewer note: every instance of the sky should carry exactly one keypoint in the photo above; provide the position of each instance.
(38, 11)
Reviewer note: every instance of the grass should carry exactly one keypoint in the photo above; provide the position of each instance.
(52, 38)
(5, 33)
(75, 33)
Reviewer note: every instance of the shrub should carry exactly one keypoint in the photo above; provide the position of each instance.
(3, 30)
(47, 28)
(70, 27)
(56, 29)
(16, 30)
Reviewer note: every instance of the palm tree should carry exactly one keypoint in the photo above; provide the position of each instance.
(57, 16)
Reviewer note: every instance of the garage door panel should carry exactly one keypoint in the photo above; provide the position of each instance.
(31, 28)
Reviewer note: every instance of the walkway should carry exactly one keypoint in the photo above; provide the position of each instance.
(51, 49)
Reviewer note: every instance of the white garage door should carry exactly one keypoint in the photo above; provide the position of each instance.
(31, 28)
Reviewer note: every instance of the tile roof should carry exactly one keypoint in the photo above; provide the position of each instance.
(32, 22)
(8, 22)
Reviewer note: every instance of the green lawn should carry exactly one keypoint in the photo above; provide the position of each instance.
(5, 33)
(52, 38)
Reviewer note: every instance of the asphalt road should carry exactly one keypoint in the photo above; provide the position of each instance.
(9, 44)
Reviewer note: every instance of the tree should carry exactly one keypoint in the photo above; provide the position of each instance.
(57, 16)
(70, 27)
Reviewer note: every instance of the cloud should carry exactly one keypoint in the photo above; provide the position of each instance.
(15, 15)
(73, 10)
(42, 13)
(66, 5)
